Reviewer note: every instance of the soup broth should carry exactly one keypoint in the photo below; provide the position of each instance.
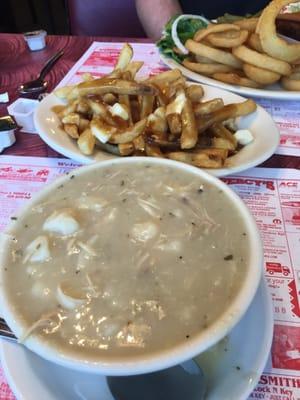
(124, 261)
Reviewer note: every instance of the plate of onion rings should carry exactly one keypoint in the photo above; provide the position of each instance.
(246, 56)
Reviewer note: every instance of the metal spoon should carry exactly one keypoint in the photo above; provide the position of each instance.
(38, 85)
(184, 381)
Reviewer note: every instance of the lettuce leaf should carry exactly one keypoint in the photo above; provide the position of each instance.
(186, 29)
(293, 8)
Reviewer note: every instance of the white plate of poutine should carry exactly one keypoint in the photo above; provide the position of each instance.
(162, 116)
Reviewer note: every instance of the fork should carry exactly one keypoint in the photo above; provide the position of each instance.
(5, 331)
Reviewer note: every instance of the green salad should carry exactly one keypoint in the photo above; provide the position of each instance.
(293, 8)
(186, 29)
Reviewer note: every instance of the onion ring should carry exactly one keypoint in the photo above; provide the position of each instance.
(296, 68)
(206, 69)
(260, 75)
(295, 76)
(247, 23)
(235, 79)
(254, 42)
(212, 28)
(290, 84)
(203, 60)
(220, 56)
(224, 40)
(262, 60)
(272, 44)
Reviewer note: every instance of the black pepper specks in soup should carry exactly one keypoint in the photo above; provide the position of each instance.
(126, 260)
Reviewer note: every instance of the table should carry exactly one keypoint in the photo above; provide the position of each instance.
(18, 64)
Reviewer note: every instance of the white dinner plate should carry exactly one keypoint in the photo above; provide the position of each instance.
(261, 124)
(274, 91)
(232, 367)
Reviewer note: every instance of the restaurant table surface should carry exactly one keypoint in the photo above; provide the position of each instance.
(18, 65)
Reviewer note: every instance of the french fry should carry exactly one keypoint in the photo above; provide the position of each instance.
(222, 143)
(220, 131)
(201, 160)
(101, 110)
(83, 107)
(139, 143)
(162, 142)
(157, 123)
(155, 137)
(153, 151)
(189, 135)
(71, 130)
(175, 124)
(83, 124)
(68, 109)
(160, 112)
(130, 134)
(177, 105)
(204, 141)
(194, 93)
(86, 142)
(173, 112)
(126, 75)
(133, 67)
(162, 99)
(124, 99)
(110, 85)
(135, 110)
(109, 98)
(97, 108)
(87, 77)
(63, 92)
(178, 83)
(126, 149)
(101, 130)
(228, 111)
(208, 106)
(212, 152)
(164, 77)
(115, 74)
(72, 118)
(167, 90)
(125, 57)
(146, 106)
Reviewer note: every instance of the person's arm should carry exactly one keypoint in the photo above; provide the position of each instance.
(154, 14)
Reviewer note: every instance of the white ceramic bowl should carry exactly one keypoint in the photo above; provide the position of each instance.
(185, 350)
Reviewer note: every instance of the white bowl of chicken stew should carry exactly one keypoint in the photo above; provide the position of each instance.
(129, 266)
